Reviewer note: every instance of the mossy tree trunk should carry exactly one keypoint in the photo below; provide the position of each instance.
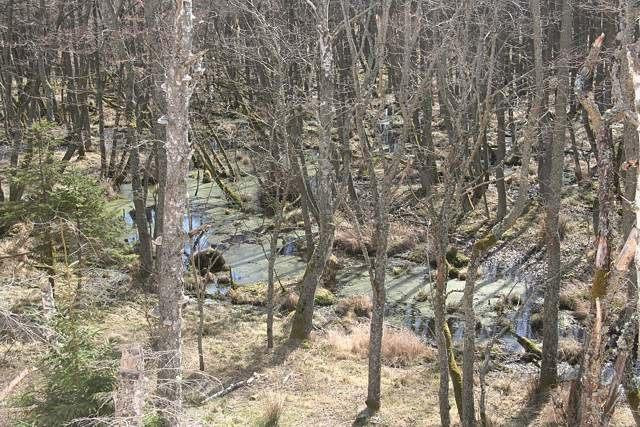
(228, 191)
(581, 405)
(443, 342)
(633, 58)
(302, 320)
(454, 370)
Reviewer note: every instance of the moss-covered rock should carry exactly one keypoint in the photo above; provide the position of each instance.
(422, 295)
(209, 260)
(633, 397)
(457, 258)
(324, 297)
(453, 273)
(485, 243)
(529, 346)
(536, 322)
(421, 254)
(253, 294)
(359, 305)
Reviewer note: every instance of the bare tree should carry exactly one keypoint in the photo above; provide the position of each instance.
(325, 177)
(581, 407)
(548, 370)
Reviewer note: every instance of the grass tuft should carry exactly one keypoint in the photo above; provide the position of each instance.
(399, 347)
(272, 412)
(360, 305)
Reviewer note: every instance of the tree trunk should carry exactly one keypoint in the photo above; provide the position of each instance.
(173, 237)
(302, 320)
(633, 57)
(549, 368)
(99, 94)
(500, 155)
(279, 203)
(376, 331)
(154, 17)
(441, 339)
(381, 239)
(426, 150)
(129, 396)
(139, 194)
(583, 391)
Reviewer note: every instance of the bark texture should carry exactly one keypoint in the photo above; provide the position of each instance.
(549, 368)
(171, 241)
(129, 396)
(303, 318)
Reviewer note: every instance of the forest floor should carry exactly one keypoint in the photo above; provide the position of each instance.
(315, 384)
(323, 382)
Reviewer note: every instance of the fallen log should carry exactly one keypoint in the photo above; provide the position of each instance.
(232, 387)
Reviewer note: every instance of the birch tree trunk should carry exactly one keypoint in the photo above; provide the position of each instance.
(171, 241)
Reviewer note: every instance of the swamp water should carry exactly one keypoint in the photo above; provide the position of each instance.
(245, 246)
(236, 234)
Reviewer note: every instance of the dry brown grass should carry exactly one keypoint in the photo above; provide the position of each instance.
(582, 311)
(503, 385)
(360, 305)
(399, 347)
(329, 275)
(18, 241)
(574, 298)
(272, 412)
(254, 294)
(402, 238)
(569, 350)
(567, 301)
(289, 301)
(346, 240)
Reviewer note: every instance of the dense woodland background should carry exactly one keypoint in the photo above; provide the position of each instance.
(472, 163)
